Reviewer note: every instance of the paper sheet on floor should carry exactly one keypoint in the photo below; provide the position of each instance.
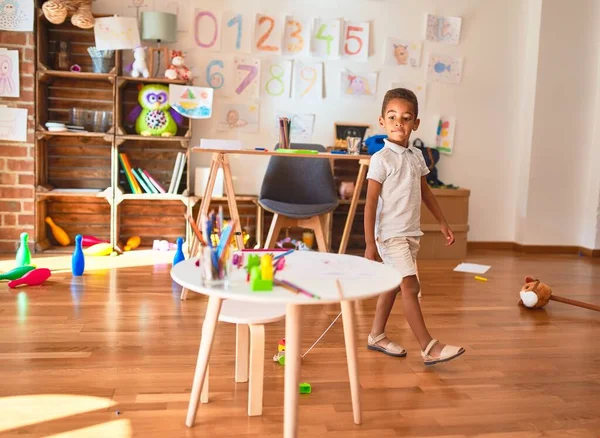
(472, 268)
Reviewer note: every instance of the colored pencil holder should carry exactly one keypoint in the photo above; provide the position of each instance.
(215, 271)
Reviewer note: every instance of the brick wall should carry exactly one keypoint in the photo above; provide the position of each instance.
(16, 159)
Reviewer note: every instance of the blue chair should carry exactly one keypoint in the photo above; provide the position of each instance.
(300, 192)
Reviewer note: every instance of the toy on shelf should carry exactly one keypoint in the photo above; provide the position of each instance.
(139, 66)
(59, 234)
(179, 256)
(99, 249)
(178, 69)
(16, 272)
(78, 259)
(56, 12)
(132, 243)
(535, 295)
(153, 116)
(91, 240)
(161, 245)
(32, 278)
(23, 253)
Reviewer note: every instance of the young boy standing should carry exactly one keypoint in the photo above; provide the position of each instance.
(396, 187)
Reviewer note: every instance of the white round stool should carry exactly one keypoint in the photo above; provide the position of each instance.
(252, 316)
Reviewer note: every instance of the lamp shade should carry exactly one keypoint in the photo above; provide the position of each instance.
(159, 26)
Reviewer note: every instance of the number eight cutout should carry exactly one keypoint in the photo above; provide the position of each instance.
(276, 71)
(276, 80)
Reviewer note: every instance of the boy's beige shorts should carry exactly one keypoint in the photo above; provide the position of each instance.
(400, 253)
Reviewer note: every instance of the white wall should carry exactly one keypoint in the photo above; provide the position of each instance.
(516, 148)
(563, 124)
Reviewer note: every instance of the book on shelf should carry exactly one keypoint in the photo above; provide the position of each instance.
(177, 174)
(140, 181)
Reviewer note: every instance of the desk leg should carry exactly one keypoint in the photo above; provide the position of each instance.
(349, 338)
(293, 326)
(362, 173)
(233, 210)
(208, 335)
(204, 206)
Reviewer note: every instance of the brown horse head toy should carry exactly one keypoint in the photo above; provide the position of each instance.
(535, 295)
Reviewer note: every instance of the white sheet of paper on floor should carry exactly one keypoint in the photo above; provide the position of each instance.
(472, 268)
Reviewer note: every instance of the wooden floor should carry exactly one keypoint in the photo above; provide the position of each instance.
(112, 354)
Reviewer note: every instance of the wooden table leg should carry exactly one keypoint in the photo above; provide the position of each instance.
(215, 163)
(349, 338)
(233, 210)
(362, 173)
(293, 327)
(208, 334)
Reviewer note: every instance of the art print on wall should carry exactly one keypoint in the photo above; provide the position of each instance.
(9, 73)
(444, 68)
(358, 85)
(234, 117)
(16, 15)
(443, 29)
(403, 53)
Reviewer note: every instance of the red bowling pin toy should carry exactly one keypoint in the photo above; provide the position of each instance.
(32, 278)
(91, 240)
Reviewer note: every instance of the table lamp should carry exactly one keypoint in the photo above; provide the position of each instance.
(162, 28)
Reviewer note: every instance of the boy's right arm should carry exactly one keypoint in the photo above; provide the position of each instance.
(373, 191)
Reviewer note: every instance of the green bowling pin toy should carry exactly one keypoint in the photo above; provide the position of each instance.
(23, 253)
(16, 273)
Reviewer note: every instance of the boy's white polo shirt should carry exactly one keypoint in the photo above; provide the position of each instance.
(399, 170)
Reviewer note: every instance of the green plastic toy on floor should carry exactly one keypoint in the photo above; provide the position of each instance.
(23, 253)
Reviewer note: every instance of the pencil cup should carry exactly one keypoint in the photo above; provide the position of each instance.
(353, 145)
(215, 271)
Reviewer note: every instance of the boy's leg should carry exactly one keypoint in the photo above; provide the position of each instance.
(412, 311)
(393, 253)
(385, 302)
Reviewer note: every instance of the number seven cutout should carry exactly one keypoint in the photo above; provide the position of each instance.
(252, 73)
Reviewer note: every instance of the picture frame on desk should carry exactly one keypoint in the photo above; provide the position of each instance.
(343, 130)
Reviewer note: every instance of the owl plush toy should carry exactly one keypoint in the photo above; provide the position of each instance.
(154, 115)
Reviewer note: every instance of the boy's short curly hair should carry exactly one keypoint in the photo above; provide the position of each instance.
(400, 93)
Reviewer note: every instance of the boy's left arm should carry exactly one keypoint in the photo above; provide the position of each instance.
(434, 208)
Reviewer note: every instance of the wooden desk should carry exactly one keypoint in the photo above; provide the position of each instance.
(220, 159)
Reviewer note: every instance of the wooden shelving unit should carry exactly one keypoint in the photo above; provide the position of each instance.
(79, 180)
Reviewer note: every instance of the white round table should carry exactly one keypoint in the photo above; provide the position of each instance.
(315, 272)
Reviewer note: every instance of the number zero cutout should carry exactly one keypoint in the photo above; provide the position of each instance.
(197, 22)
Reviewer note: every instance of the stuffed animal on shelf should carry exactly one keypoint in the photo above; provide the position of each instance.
(535, 295)
(154, 115)
(177, 69)
(56, 12)
(139, 66)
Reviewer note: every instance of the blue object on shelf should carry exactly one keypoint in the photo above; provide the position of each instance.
(375, 143)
